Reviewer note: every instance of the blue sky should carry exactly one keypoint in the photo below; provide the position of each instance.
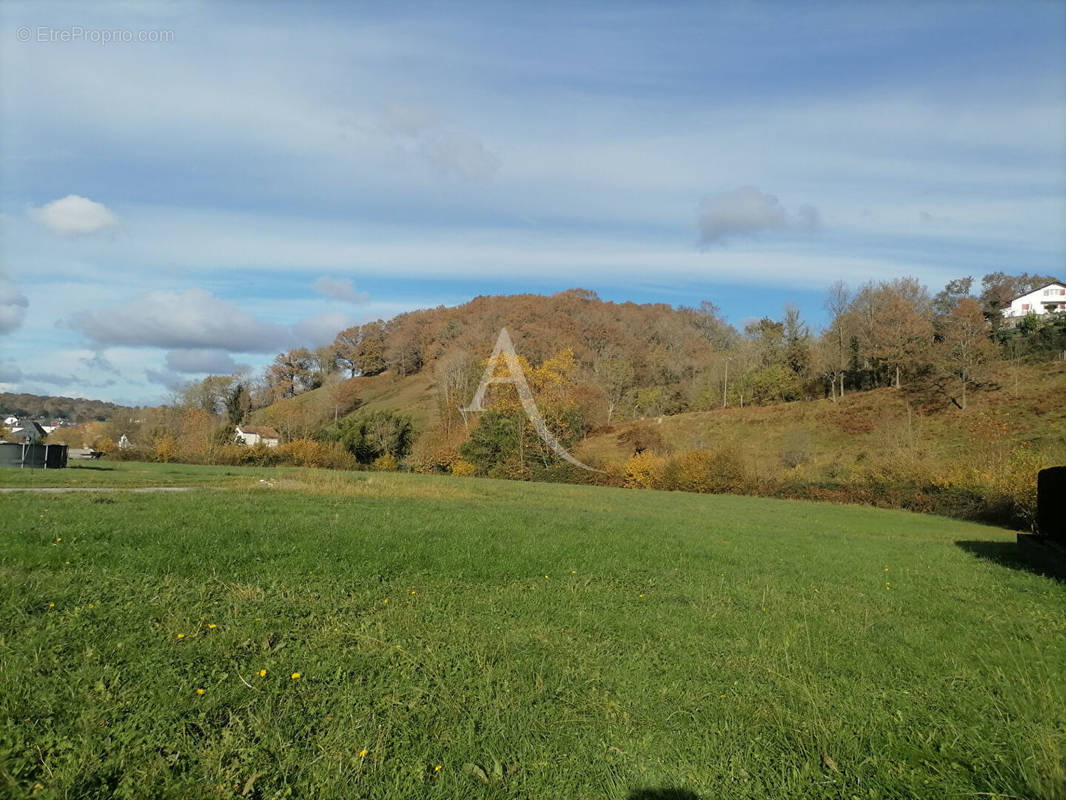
(257, 176)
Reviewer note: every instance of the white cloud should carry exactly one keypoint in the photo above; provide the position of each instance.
(74, 215)
(747, 211)
(201, 360)
(13, 305)
(416, 129)
(200, 329)
(341, 289)
(322, 328)
(177, 320)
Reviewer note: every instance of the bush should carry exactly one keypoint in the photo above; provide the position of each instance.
(639, 438)
(370, 436)
(463, 469)
(705, 471)
(309, 453)
(386, 463)
(645, 470)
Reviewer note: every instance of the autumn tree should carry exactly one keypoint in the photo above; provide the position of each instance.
(964, 345)
(293, 372)
(346, 349)
(894, 324)
(837, 303)
(370, 353)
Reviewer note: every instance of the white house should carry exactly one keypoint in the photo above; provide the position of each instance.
(257, 434)
(10, 422)
(1045, 300)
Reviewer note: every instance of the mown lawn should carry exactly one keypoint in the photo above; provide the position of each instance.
(460, 638)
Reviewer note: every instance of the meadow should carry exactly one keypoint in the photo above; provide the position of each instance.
(279, 633)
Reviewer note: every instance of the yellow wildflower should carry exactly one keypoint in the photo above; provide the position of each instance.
(200, 691)
(212, 626)
(262, 673)
(181, 635)
(296, 676)
(363, 752)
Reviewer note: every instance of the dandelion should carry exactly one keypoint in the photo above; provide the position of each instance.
(59, 538)
(262, 673)
(438, 768)
(180, 635)
(51, 605)
(547, 578)
(641, 595)
(363, 752)
(212, 626)
(201, 691)
(386, 602)
(413, 592)
(296, 676)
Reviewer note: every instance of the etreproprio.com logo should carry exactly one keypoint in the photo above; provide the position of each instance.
(44, 34)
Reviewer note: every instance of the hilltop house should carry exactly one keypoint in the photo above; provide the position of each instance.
(257, 434)
(1045, 300)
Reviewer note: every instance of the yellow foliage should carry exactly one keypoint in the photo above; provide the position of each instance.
(463, 469)
(386, 463)
(645, 471)
(309, 453)
(166, 448)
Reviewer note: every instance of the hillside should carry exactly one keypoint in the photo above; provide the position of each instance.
(1023, 406)
(72, 409)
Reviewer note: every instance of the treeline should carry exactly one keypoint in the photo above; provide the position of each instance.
(71, 409)
(655, 359)
(624, 361)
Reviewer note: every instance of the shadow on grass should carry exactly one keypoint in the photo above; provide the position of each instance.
(89, 466)
(662, 794)
(1005, 554)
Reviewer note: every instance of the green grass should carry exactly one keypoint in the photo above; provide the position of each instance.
(571, 642)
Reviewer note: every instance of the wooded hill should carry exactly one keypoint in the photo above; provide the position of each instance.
(72, 409)
(942, 368)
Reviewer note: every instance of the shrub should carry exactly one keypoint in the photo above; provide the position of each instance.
(463, 469)
(705, 471)
(370, 436)
(386, 463)
(639, 438)
(644, 470)
(165, 450)
(309, 453)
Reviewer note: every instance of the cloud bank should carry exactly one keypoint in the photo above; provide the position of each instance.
(200, 360)
(74, 215)
(13, 305)
(200, 329)
(748, 211)
(340, 289)
(181, 320)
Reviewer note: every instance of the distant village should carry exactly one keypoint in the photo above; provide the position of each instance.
(23, 430)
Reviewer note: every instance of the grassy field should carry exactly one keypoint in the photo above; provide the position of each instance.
(341, 635)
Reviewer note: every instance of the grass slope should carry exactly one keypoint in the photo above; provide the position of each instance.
(1024, 405)
(473, 638)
